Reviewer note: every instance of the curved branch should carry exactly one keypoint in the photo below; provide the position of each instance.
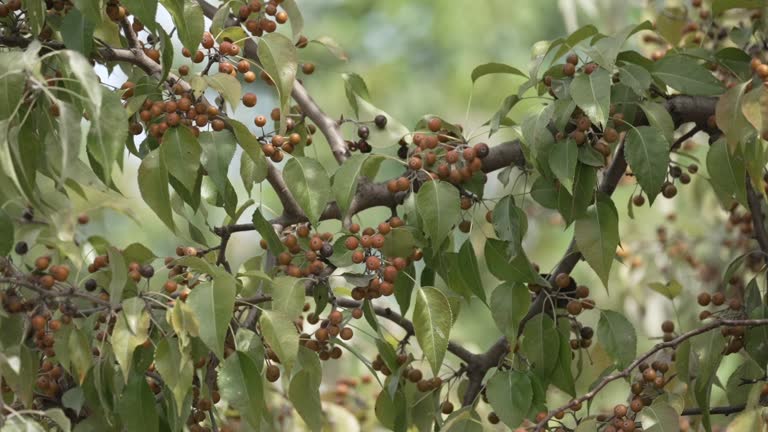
(628, 370)
(327, 125)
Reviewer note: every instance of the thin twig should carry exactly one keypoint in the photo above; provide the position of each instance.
(716, 324)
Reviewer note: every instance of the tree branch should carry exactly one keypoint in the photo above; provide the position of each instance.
(755, 201)
(628, 370)
(329, 127)
(723, 410)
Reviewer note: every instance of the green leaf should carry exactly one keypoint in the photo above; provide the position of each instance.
(399, 242)
(510, 394)
(465, 419)
(734, 388)
(501, 115)
(36, 12)
(278, 56)
(753, 107)
(597, 236)
(248, 173)
(494, 68)
(280, 334)
(355, 88)
(360, 101)
(562, 377)
(346, 178)
(228, 86)
(605, 50)
(20, 372)
(294, 18)
(267, 232)
(535, 129)
(309, 184)
(720, 6)
(73, 399)
(175, 367)
(181, 153)
(562, 161)
(303, 390)
(618, 337)
(510, 223)
(153, 185)
(183, 321)
(541, 346)
(77, 32)
(669, 290)
(92, 9)
(241, 385)
(659, 417)
(687, 76)
(404, 287)
(6, 233)
(119, 270)
(287, 295)
(635, 77)
(670, 23)
(730, 118)
(80, 356)
(756, 339)
(212, 304)
(131, 330)
(391, 409)
(137, 406)
(139, 253)
(647, 152)
(447, 266)
(711, 348)
(747, 421)
(587, 425)
(659, 117)
(252, 148)
(11, 88)
(735, 60)
(683, 361)
(189, 20)
(592, 93)
(727, 173)
(509, 304)
(438, 203)
(517, 269)
(69, 139)
(432, 319)
(332, 46)
(573, 39)
(218, 149)
(145, 10)
(470, 270)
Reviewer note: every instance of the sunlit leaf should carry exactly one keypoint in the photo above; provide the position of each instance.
(432, 319)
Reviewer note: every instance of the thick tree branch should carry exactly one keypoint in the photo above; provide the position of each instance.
(625, 373)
